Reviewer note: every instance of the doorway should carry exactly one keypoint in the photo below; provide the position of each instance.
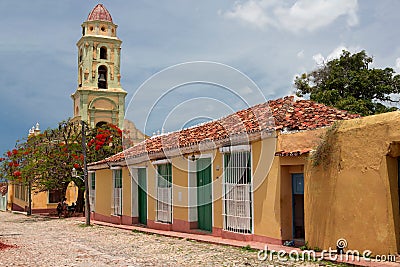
(298, 205)
(142, 196)
(204, 194)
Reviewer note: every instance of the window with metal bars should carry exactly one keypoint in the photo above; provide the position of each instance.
(164, 193)
(21, 192)
(237, 192)
(55, 195)
(117, 199)
(92, 191)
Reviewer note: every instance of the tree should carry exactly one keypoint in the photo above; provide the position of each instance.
(348, 83)
(46, 160)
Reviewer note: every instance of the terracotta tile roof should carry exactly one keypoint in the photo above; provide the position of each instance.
(99, 12)
(281, 114)
(294, 153)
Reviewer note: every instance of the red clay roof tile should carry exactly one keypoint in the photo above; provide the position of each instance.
(99, 12)
(280, 114)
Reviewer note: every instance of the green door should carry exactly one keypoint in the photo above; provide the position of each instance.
(204, 194)
(142, 196)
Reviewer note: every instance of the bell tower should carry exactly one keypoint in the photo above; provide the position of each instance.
(99, 97)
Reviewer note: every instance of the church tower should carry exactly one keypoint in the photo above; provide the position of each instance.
(99, 97)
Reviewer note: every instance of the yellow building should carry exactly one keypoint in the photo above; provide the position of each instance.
(44, 202)
(41, 201)
(268, 178)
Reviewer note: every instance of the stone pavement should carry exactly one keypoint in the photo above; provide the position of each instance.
(252, 244)
(44, 241)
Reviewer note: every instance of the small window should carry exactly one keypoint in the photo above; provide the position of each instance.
(93, 181)
(83, 31)
(164, 193)
(117, 197)
(103, 53)
(21, 191)
(55, 196)
(237, 192)
(103, 29)
(80, 55)
(92, 191)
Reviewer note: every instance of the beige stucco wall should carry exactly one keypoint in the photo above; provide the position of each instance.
(104, 192)
(356, 197)
(152, 192)
(218, 167)
(179, 188)
(40, 200)
(126, 192)
(266, 186)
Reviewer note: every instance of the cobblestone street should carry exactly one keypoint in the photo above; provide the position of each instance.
(43, 241)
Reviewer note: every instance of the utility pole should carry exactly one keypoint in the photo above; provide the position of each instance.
(85, 175)
(29, 198)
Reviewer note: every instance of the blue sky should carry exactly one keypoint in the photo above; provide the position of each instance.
(270, 41)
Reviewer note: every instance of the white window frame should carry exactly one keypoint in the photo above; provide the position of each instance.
(21, 192)
(92, 192)
(237, 191)
(117, 193)
(164, 194)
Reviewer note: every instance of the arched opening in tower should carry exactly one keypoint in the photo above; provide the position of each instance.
(101, 124)
(103, 52)
(102, 79)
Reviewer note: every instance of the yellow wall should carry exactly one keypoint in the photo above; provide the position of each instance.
(126, 192)
(266, 183)
(152, 192)
(104, 192)
(355, 197)
(40, 200)
(217, 189)
(179, 188)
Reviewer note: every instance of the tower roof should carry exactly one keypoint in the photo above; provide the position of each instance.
(99, 12)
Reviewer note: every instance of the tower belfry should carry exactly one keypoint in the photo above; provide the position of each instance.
(99, 97)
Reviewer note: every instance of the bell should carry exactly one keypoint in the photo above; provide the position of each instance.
(102, 77)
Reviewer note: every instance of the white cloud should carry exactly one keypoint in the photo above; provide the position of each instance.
(320, 59)
(245, 91)
(397, 68)
(252, 12)
(300, 54)
(308, 15)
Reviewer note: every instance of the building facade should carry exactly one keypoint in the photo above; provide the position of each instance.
(305, 178)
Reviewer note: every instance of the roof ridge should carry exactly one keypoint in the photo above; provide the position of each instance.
(283, 113)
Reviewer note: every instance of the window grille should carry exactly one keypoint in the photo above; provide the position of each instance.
(164, 193)
(237, 192)
(92, 191)
(55, 195)
(117, 203)
(21, 191)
